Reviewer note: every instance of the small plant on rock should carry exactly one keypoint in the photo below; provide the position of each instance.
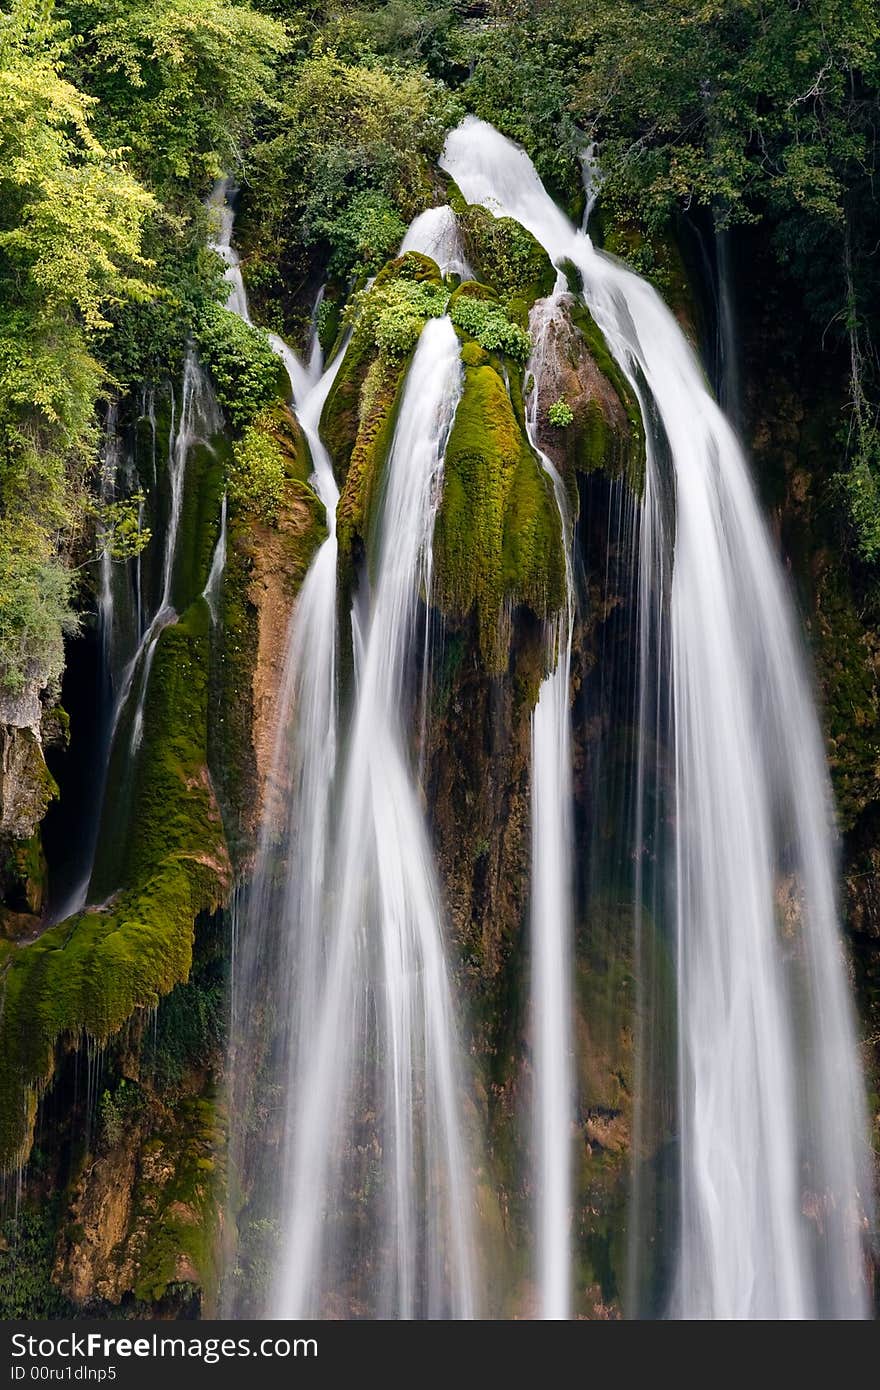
(560, 414)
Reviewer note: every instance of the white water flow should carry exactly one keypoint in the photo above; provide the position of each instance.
(377, 1028)
(436, 234)
(774, 1182)
(198, 419)
(224, 213)
(551, 899)
(106, 605)
(211, 591)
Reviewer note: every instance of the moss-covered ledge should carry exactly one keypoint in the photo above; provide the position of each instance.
(358, 420)
(498, 535)
(87, 976)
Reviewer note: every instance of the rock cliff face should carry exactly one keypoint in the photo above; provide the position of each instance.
(112, 1023)
(26, 789)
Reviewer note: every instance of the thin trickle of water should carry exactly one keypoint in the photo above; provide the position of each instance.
(198, 419)
(211, 591)
(221, 206)
(551, 897)
(773, 1176)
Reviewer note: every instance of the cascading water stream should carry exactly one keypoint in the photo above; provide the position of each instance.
(384, 973)
(773, 1173)
(211, 591)
(436, 233)
(198, 420)
(551, 899)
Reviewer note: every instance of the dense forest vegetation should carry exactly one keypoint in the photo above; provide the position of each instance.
(118, 118)
(713, 128)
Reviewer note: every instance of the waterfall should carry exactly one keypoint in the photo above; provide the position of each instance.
(368, 1053)
(436, 233)
(384, 967)
(197, 421)
(220, 206)
(773, 1170)
(106, 603)
(551, 901)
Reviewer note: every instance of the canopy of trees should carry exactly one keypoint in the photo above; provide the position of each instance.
(117, 115)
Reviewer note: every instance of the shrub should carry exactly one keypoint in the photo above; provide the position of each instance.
(256, 474)
(560, 414)
(35, 611)
(242, 364)
(367, 231)
(491, 327)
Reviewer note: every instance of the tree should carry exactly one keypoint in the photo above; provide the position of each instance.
(70, 232)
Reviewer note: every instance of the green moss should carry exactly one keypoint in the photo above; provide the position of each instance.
(358, 420)
(507, 256)
(597, 445)
(380, 401)
(498, 537)
(380, 320)
(204, 482)
(255, 553)
(328, 324)
(181, 1213)
(472, 355)
(89, 974)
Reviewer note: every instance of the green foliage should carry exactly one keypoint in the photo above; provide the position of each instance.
(115, 1110)
(257, 474)
(190, 1032)
(346, 164)
(364, 234)
(122, 534)
(71, 221)
(27, 1256)
(860, 488)
(35, 607)
(178, 82)
(327, 324)
(401, 308)
(486, 321)
(243, 366)
(560, 414)
(520, 75)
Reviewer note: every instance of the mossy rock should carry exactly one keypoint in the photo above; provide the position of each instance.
(597, 444)
(380, 402)
(204, 484)
(507, 256)
(88, 975)
(498, 536)
(342, 414)
(175, 1217)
